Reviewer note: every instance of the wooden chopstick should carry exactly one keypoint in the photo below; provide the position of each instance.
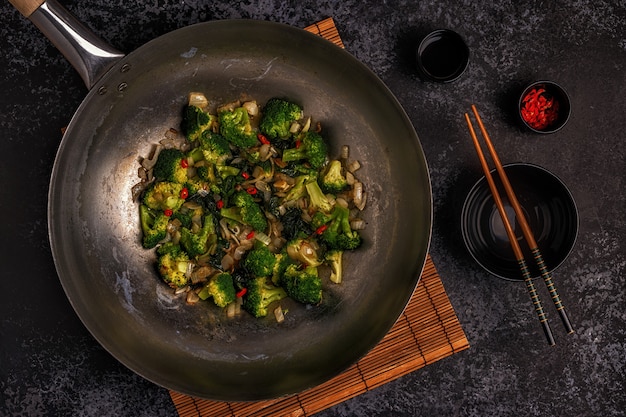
(528, 234)
(534, 296)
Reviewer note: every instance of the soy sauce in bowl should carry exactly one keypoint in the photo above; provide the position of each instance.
(442, 56)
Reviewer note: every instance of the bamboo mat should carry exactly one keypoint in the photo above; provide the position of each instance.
(428, 330)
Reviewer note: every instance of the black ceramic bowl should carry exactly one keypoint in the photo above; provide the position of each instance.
(442, 56)
(544, 107)
(549, 208)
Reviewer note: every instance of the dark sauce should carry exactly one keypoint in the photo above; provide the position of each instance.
(443, 56)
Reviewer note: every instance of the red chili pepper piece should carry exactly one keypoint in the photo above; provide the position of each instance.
(241, 292)
(184, 193)
(250, 235)
(168, 212)
(251, 190)
(263, 139)
(220, 204)
(321, 229)
(298, 143)
(245, 175)
(184, 163)
(539, 110)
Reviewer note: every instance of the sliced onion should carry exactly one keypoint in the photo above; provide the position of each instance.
(278, 313)
(361, 204)
(227, 262)
(192, 297)
(251, 107)
(357, 193)
(231, 310)
(181, 290)
(345, 152)
(353, 166)
(357, 224)
(198, 99)
(350, 178)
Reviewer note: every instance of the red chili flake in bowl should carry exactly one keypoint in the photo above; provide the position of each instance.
(539, 109)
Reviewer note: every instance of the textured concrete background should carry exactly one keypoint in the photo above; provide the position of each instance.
(50, 365)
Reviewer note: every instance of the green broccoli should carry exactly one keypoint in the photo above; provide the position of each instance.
(221, 287)
(334, 258)
(333, 180)
(199, 243)
(277, 118)
(236, 128)
(304, 251)
(172, 267)
(260, 261)
(317, 199)
(214, 147)
(169, 247)
(195, 122)
(245, 211)
(163, 195)
(339, 234)
(259, 295)
(298, 190)
(302, 284)
(312, 148)
(153, 225)
(169, 166)
(226, 170)
(197, 185)
(283, 260)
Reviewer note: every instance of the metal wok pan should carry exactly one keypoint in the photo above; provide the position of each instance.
(95, 233)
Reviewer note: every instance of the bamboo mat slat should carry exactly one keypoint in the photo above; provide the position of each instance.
(427, 331)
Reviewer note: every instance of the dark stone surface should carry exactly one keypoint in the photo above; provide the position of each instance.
(50, 365)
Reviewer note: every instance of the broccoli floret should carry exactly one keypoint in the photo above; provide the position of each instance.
(226, 171)
(214, 148)
(246, 211)
(303, 284)
(317, 199)
(259, 295)
(197, 185)
(260, 261)
(334, 259)
(199, 243)
(312, 148)
(333, 180)
(320, 219)
(235, 127)
(153, 225)
(278, 116)
(169, 247)
(283, 260)
(221, 288)
(304, 251)
(298, 190)
(168, 166)
(195, 122)
(163, 195)
(339, 234)
(172, 267)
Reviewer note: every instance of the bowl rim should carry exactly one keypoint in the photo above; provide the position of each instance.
(563, 92)
(480, 182)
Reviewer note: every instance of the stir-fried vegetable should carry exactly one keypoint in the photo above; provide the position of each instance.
(246, 207)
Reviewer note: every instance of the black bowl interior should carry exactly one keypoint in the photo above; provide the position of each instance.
(549, 208)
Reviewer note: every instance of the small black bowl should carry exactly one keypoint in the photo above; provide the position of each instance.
(550, 211)
(442, 56)
(548, 116)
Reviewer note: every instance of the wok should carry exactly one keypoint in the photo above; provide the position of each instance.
(93, 220)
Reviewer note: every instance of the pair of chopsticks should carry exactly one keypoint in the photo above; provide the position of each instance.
(528, 235)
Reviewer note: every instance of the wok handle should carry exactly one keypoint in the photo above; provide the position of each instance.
(90, 56)
(26, 7)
